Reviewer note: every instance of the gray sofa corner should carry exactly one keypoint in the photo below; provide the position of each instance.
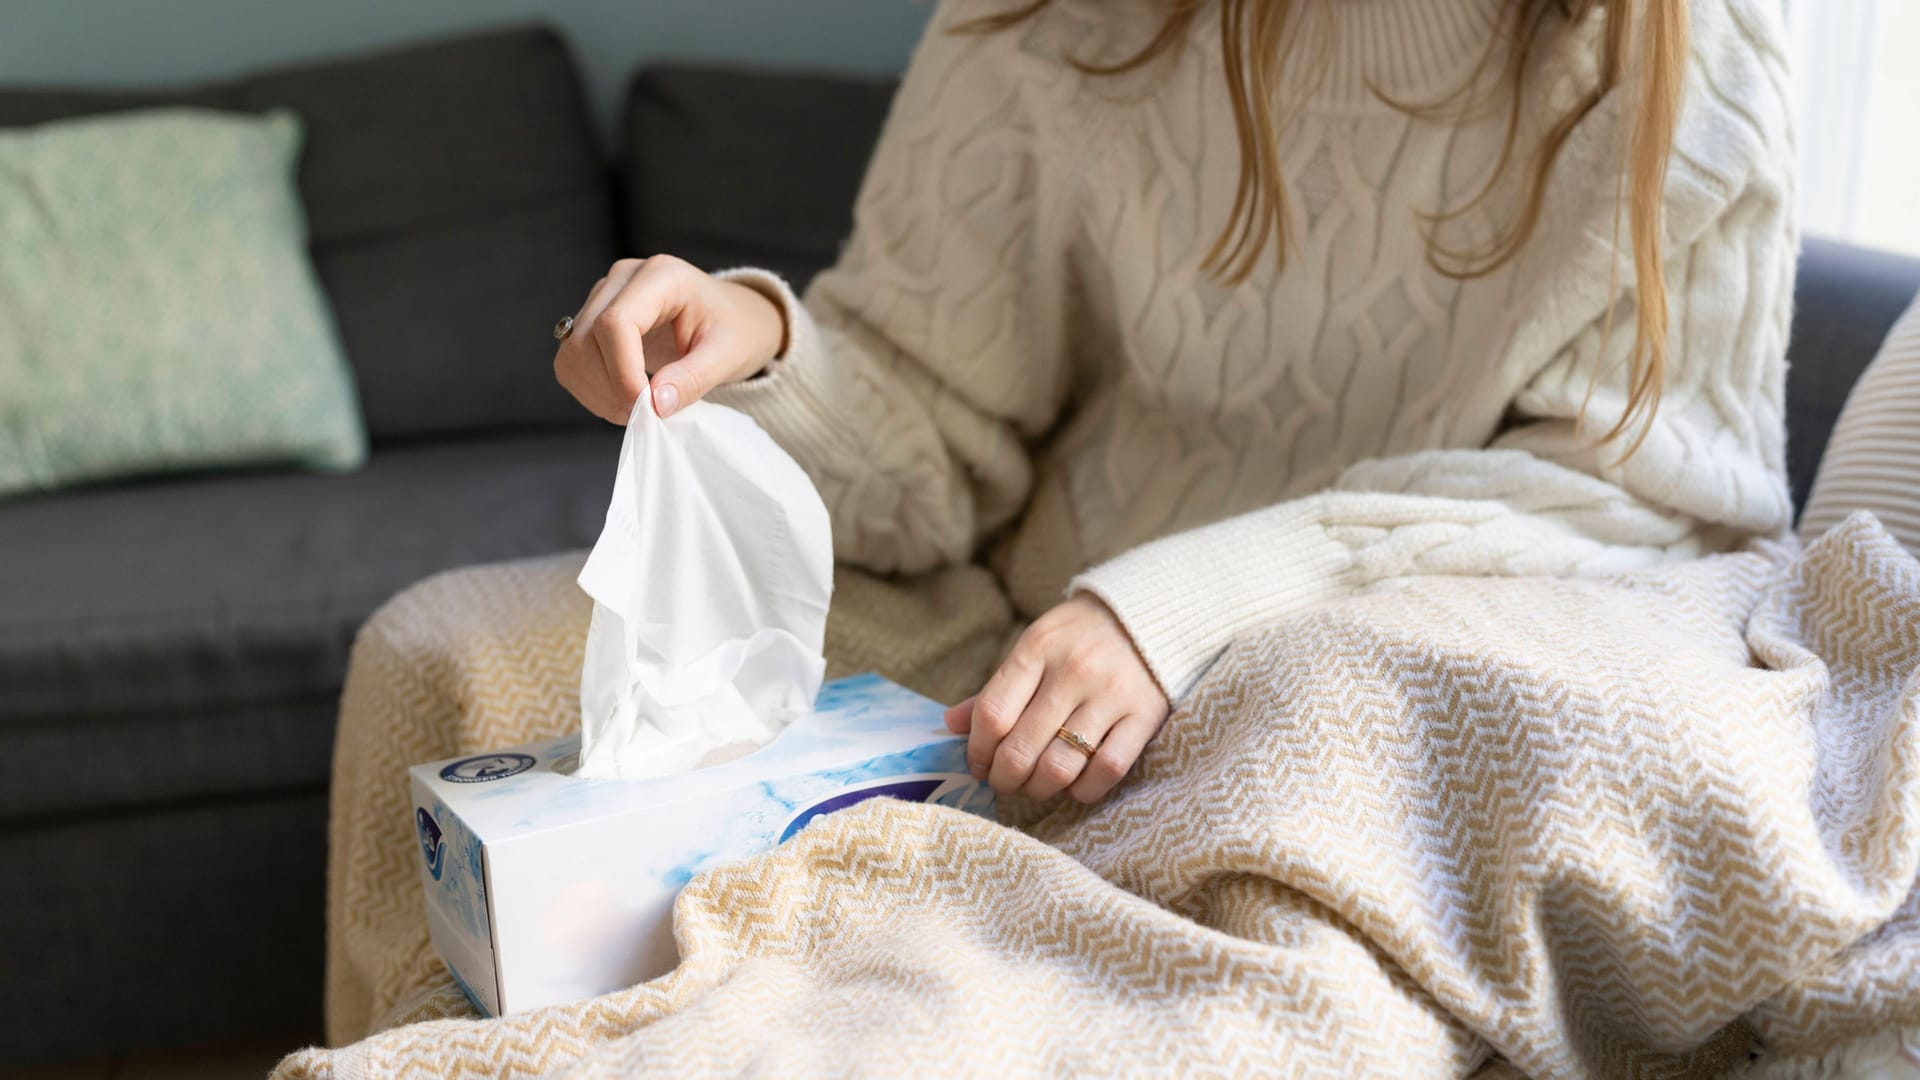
(171, 650)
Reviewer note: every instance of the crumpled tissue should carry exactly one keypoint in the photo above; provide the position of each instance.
(710, 584)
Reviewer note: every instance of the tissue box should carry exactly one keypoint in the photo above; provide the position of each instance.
(543, 887)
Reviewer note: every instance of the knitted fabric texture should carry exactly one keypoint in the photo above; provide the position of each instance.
(1593, 828)
(1584, 823)
(1020, 351)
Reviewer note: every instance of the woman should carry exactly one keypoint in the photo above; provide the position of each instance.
(1181, 317)
(1189, 317)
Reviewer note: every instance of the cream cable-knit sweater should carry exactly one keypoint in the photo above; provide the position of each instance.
(1020, 353)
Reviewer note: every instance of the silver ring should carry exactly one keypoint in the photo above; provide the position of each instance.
(563, 329)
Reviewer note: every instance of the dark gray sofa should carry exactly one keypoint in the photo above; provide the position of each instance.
(170, 650)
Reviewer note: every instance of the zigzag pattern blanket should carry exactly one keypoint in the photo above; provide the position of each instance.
(1563, 828)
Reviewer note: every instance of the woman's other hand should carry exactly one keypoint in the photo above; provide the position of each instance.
(667, 318)
(1074, 667)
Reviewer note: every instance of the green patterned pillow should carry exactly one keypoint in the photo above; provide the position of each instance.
(157, 307)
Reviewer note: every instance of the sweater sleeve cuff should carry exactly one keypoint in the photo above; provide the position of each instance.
(1184, 598)
(793, 398)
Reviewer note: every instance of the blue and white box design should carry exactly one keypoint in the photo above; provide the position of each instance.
(543, 887)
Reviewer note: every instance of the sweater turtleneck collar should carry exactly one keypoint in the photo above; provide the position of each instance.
(1412, 50)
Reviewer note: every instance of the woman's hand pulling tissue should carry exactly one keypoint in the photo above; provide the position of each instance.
(666, 318)
(1074, 670)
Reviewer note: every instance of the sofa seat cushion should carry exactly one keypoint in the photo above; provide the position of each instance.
(189, 638)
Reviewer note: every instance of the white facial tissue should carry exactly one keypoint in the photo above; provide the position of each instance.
(710, 585)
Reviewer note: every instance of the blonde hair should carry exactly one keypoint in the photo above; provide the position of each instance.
(1644, 38)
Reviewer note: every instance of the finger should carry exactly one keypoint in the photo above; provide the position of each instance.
(1020, 749)
(576, 361)
(997, 706)
(653, 296)
(664, 295)
(1061, 764)
(583, 376)
(960, 717)
(623, 362)
(603, 293)
(1117, 753)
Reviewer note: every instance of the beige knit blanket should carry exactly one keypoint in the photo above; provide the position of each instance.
(1567, 828)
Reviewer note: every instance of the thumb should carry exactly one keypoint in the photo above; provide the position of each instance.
(689, 378)
(960, 717)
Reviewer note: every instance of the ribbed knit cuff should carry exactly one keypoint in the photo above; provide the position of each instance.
(775, 288)
(794, 399)
(1183, 599)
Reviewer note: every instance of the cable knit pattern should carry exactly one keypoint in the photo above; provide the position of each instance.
(1020, 351)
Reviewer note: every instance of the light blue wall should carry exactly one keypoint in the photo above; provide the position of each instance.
(159, 41)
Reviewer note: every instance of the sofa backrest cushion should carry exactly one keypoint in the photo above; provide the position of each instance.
(732, 167)
(458, 203)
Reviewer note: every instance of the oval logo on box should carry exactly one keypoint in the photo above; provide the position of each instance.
(485, 767)
(430, 846)
(918, 789)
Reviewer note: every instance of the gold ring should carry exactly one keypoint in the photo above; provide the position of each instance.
(563, 329)
(1076, 740)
